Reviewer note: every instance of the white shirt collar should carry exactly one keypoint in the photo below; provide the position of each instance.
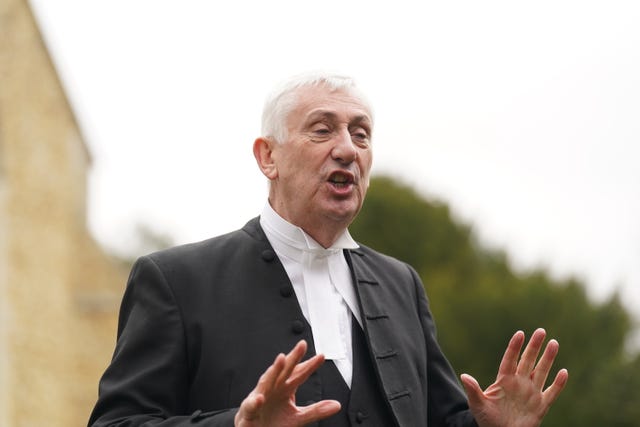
(293, 241)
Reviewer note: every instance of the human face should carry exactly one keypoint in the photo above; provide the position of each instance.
(322, 169)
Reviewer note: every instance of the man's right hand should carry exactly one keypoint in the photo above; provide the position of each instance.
(273, 401)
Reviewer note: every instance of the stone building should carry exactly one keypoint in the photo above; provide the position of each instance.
(59, 292)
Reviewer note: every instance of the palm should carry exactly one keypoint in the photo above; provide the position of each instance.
(274, 411)
(513, 402)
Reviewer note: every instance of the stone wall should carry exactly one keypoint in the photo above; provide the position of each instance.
(59, 292)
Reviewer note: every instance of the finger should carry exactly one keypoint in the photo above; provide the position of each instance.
(531, 351)
(553, 391)
(303, 370)
(475, 396)
(291, 360)
(319, 411)
(541, 371)
(267, 380)
(509, 361)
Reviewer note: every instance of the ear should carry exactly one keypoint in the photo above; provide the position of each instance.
(263, 152)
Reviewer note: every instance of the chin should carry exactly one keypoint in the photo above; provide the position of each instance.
(343, 215)
(340, 210)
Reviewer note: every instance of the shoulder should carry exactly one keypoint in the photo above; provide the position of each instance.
(365, 250)
(221, 250)
(381, 265)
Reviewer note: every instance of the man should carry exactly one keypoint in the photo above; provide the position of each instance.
(201, 324)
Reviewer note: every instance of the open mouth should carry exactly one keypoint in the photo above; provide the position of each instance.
(340, 179)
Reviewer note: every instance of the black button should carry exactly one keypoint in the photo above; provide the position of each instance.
(268, 255)
(297, 326)
(286, 291)
(196, 414)
(360, 417)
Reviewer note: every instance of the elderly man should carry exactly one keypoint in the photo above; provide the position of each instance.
(201, 324)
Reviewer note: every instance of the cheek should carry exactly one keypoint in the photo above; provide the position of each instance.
(365, 187)
(365, 165)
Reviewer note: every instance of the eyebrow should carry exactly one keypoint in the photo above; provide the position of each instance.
(359, 119)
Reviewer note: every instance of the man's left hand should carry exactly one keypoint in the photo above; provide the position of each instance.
(517, 398)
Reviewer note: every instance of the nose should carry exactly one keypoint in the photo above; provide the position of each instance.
(344, 150)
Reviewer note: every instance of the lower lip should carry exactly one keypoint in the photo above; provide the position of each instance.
(341, 189)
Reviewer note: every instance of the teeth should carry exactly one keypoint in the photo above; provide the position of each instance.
(339, 179)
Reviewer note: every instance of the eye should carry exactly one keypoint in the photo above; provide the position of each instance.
(360, 136)
(320, 132)
(320, 129)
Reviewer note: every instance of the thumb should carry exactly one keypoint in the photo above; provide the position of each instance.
(319, 411)
(475, 395)
(250, 407)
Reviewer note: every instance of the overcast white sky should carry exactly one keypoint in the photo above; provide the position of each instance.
(523, 116)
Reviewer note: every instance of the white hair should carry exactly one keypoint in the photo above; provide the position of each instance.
(282, 100)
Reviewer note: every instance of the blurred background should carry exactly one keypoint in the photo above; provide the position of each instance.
(506, 153)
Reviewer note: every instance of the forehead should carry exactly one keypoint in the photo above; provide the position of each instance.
(342, 104)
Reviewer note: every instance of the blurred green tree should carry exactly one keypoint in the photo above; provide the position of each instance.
(479, 301)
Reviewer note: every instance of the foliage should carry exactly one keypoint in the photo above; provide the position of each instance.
(478, 301)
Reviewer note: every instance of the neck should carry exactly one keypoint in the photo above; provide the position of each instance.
(323, 230)
(324, 236)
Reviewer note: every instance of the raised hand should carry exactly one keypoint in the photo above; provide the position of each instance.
(517, 398)
(272, 402)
